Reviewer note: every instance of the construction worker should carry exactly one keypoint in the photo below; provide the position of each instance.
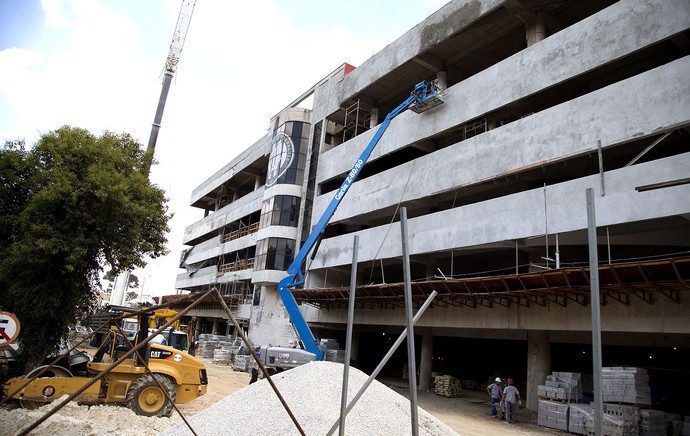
(255, 368)
(495, 390)
(511, 397)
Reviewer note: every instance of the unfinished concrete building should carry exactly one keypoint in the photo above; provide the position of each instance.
(544, 100)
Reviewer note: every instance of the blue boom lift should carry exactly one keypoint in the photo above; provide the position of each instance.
(425, 96)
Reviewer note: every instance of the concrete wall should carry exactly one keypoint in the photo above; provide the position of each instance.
(662, 317)
(244, 206)
(621, 29)
(261, 148)
(450, 19)
(521, 215)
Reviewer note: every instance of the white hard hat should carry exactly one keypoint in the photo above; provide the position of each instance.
(498, 379)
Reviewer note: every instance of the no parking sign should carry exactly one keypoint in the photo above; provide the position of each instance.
(9, 328)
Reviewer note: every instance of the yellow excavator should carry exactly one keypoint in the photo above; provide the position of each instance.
(182, 376)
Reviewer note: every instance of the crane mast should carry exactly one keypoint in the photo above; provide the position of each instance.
(171, 62)
(183, 19)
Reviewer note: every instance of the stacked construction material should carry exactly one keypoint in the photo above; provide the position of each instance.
(562, 386)
(334, 355)
(206, 348)
(625, 385)
(222, 356)
(618, 420)
(241, 362)
(553, 414)
(447, 386)
(652, 422)
(580, 414)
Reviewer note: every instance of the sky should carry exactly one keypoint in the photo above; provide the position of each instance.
(98, 64)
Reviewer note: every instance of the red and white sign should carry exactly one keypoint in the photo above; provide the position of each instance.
(9, 328)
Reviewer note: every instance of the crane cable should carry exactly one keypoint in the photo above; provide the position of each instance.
(395, 213)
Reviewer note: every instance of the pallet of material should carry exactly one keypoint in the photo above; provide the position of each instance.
(222, 357)
(241, 362)
(447, 386)
(561, 386)
(579, 414)
(652, 422)
(625, 385)
(553, 415)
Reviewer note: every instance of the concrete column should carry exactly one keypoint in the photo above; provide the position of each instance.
(214, 330)
(441, 76)
(536, 30)
(354, 351)
(374, 120)
(425, 362)
(431, 270)
(538, 364)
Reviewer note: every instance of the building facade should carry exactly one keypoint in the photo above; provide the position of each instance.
(543, 101)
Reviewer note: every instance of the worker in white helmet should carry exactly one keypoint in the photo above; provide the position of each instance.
(495, 390)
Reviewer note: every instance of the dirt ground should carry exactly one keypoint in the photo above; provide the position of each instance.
(468, 415)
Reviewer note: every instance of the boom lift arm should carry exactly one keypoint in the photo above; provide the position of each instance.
(425, 96)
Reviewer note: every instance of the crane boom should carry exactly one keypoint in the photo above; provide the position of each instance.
(183, 19)
(171, 62)
(425, 96)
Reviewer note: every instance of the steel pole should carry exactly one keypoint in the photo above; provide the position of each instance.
(411, 361)
(348, 336)
(385, 360)
(596, 309)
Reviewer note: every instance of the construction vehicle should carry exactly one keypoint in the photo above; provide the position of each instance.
(176, 337)
(182, 376)
(426, 95)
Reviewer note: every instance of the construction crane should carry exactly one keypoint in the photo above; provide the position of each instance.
(183, 20)
(171, 62)
(426, 95)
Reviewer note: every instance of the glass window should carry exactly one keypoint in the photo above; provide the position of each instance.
(281, 210)
(275, 254)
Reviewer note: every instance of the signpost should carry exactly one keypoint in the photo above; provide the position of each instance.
(9, 328)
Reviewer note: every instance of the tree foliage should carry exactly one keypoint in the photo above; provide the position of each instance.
(69, 206)
(132, 282)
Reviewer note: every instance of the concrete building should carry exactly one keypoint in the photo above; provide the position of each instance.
(544, 101)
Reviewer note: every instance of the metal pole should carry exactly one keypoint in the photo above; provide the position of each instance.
(601, 167)
(348, 336)
(411, 361)
(267, 376)
(385, 359)
(596, 316)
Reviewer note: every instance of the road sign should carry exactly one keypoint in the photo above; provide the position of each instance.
(9, 328)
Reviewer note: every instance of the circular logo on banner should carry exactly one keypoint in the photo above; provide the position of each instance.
(282, 153)
(9, 328)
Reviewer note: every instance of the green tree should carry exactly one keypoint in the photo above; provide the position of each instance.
(110, 276)
(69, 206)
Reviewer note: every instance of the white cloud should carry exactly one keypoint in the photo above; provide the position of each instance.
(241, 64)
(54, 13)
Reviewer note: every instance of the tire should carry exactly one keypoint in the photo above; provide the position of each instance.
(146, 398)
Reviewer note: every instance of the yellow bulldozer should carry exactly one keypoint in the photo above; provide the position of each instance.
(170, 371)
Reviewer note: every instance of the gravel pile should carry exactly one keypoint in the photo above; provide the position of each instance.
(76, 420)
(313, 393)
